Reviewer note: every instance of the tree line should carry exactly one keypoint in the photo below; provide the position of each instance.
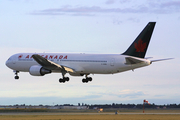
(138, 106)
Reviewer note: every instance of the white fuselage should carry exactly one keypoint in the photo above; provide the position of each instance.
(81, 63)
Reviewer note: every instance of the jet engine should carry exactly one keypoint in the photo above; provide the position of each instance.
(37, 70)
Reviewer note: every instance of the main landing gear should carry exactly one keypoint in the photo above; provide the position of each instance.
(64, 79)
(84, 80)
(87, 79)
(16, 75)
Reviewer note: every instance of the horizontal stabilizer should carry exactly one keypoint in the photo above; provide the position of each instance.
(148, 57)
(130, 60)
(161, 59)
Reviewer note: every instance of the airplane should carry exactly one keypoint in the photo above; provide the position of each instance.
(40, 64)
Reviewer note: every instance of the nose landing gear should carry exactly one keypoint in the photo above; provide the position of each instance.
(16, 75)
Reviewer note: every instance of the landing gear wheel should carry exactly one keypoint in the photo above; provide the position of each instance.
(16, 77)
(63, 80)
(84, 80)
(66, 78)
(87, 79)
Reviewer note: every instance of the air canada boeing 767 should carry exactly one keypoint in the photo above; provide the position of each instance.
(39, 64)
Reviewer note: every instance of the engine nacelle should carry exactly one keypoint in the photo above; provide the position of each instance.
(76, 74)
(37, 70)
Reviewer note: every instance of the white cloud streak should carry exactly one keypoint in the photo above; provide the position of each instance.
(151, 7)
(110, 1)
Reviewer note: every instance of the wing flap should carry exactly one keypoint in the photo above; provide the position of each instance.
(49, 64)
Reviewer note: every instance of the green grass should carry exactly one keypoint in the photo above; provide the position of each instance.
(72, 114)
(90, 117)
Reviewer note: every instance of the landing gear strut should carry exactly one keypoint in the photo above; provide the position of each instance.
(64, 79)
(87, 79)
(16, 75)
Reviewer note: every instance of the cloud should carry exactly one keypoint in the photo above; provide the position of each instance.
(87, 10)
(127, 93)
(130, 94)
(164, 7)
(124, 1)
(45, 100)
(175, 4)
(150, 7)
(110, 1)
(133, 19)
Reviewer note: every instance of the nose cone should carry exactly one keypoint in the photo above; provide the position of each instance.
(8, 63)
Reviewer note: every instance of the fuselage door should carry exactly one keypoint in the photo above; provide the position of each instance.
(112, 62)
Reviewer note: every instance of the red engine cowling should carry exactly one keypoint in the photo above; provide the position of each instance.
(37, 70)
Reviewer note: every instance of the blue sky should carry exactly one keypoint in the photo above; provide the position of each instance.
(91, 26)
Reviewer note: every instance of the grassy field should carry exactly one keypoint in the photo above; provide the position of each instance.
(90, 117)
(64, 114)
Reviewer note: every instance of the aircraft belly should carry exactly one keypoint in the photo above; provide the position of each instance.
(97, 68)
(131, 67)
(24, 65)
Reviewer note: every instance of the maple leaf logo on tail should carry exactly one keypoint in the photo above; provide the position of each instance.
(140, 47)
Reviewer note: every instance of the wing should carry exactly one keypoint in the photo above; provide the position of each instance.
(49, 64)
